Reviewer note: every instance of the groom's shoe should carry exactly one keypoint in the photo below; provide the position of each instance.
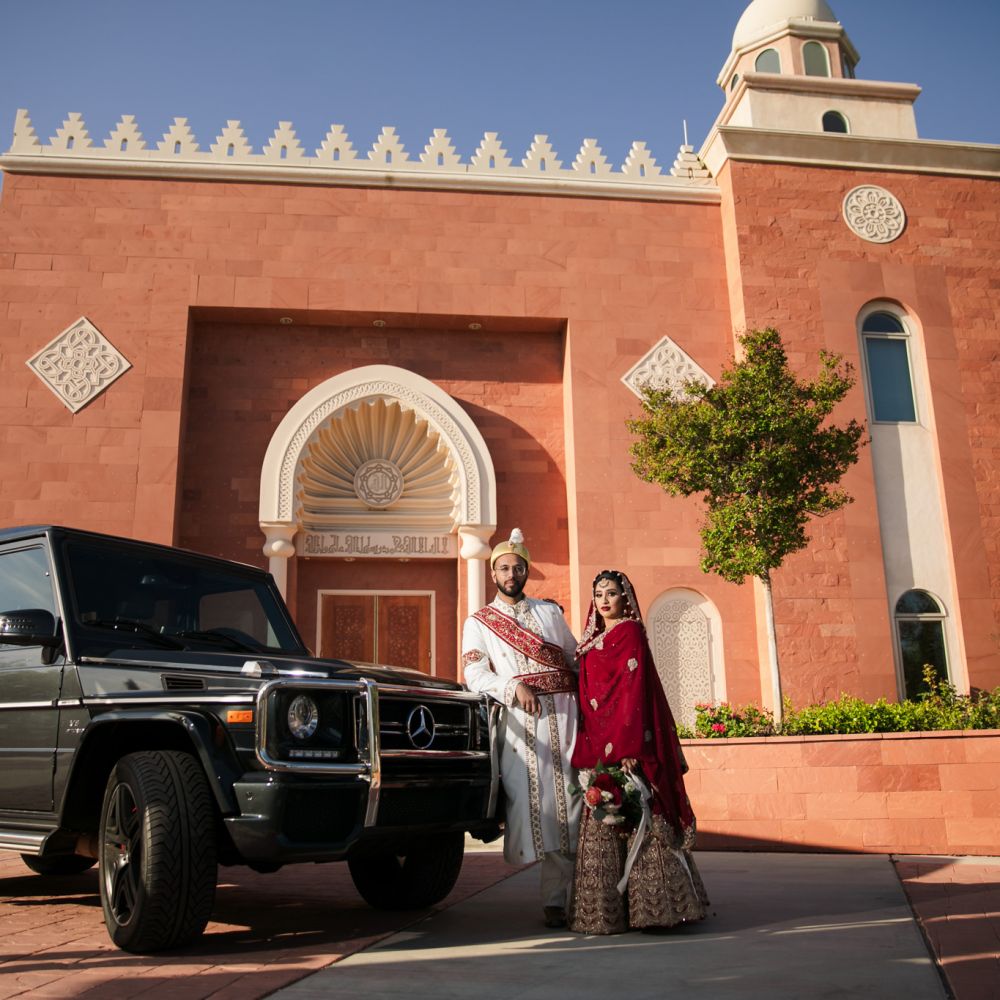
(555, 916)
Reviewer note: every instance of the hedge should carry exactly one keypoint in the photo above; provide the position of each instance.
(940, 706)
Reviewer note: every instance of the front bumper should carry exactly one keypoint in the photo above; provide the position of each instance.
(321, 811)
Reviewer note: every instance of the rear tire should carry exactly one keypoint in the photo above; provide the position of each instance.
(158, 863)
(423, 877)
(58, 864)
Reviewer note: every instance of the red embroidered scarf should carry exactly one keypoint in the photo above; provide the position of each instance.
(534, 647)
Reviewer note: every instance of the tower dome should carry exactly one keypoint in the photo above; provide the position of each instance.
(764, 14)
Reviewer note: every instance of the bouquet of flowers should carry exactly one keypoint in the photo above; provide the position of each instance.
(609, 795)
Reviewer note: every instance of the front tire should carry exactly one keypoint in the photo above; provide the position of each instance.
(423, 877)
(58, 864)
(158, 865)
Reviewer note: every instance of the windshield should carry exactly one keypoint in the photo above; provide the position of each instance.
(166, 600)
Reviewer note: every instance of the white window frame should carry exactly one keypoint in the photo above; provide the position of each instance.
(760, 55)
(826, 60)
(907, 337)
(841, 115)
(926, 616)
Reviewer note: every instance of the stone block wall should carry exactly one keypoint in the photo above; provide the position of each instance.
(901, 793)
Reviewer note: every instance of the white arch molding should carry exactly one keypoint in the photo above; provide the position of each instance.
(475, 504)
(685, 635)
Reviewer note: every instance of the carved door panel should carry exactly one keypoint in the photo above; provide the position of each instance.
(377, 628)
(404, 631)
(347, 627)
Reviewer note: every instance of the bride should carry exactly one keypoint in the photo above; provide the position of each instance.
(625, 722)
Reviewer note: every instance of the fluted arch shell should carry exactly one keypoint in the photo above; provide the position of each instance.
(377, 429)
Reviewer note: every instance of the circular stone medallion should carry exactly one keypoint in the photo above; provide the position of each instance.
(874, 214)
(378, 482)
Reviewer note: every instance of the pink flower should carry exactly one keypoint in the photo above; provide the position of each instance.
(593, 797)
(718, 727)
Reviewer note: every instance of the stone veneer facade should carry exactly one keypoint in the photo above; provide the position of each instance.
(234, 286)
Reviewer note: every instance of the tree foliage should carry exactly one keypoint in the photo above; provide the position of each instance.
(757, 445)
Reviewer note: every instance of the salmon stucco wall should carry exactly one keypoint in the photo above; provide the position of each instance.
(803, 271)
(149, 261)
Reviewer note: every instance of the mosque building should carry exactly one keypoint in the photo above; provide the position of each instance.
(362, 370)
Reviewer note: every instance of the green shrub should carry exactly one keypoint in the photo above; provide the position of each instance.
(723, 720)
(939, 707)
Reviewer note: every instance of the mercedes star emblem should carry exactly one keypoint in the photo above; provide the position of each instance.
(420, 727)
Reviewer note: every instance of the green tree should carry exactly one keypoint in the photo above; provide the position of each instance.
(758, 448)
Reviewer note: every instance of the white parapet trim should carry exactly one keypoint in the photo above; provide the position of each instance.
(335, 162)
(829, 149)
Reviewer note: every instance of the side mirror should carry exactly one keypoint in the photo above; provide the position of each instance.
(29, 627)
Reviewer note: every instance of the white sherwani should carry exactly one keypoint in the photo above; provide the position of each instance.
(535, 768)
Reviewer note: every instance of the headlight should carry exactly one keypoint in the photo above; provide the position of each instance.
(303, 717)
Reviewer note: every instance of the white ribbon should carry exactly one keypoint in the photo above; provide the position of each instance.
(640, 831)
(645, 796)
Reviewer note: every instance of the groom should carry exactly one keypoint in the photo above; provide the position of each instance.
(520, 651)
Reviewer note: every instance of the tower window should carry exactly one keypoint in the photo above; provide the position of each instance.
(887, 364)
(735, 80)
(920, 631)
(768, 62)
(815, 59)
(834, 121)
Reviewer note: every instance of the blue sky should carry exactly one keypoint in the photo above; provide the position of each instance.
(612, 71)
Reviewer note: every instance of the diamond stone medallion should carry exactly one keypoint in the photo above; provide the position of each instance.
(874, 214)
(378, 482)
(79, 364)
(666, 366)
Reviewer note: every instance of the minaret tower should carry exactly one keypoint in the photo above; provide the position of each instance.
(791, 69)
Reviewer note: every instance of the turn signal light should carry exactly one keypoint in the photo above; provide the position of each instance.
(238, 715)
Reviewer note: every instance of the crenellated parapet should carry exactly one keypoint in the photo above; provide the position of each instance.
(231, 157)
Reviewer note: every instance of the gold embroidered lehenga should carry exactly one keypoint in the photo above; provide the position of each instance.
(624, 715)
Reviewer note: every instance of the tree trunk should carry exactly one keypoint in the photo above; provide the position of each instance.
(772, 649)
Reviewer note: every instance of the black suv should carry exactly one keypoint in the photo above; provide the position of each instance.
(160, 715)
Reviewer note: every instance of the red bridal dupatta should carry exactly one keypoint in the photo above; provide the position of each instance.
(624, 713)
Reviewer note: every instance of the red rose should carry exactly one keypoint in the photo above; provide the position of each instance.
(616, 795)
(593, 797)
(604, 782)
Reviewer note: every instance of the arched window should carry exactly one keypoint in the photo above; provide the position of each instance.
(920, 631)
(887, 366)
(768, 62)
(735, 80)
(847, 68)
(815, 59)
(834, 121)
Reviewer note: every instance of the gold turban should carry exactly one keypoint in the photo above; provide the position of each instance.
(514, 544)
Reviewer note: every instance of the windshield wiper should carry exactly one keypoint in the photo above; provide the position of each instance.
(136, 627)
(221, 638)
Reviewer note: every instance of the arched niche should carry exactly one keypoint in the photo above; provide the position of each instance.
(685, 636)
(473, 517)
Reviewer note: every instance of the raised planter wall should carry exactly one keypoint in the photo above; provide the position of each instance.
(900, 793)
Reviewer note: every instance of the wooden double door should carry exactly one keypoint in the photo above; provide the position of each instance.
(392, 628)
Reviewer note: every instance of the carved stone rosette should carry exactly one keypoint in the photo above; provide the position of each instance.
(874, 214)
(79, 364)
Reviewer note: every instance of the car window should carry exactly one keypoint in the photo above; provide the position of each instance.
(25, 581)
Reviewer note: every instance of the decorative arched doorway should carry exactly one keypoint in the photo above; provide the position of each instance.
(685, 635)
(378, 463)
